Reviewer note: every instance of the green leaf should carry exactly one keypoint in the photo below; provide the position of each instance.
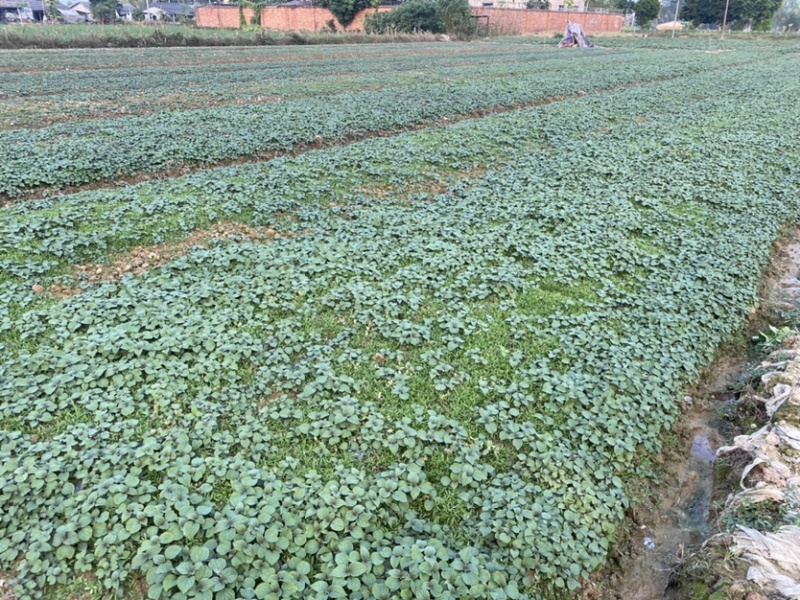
(190, 530)
(185, 583)
(199, 554)
(338, 524)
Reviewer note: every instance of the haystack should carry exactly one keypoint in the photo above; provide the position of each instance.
(574, 36)
(669, 26)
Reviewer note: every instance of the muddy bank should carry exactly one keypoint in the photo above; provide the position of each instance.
(705, 526)
(676, 511)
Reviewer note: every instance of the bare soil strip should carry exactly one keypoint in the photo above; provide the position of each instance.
(144, 258)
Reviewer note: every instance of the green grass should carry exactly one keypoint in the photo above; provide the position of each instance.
(141, 35)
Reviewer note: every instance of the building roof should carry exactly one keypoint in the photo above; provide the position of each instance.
(32, 4)
(128, 8)
(82, 7)
(71, 16)
(174, 8)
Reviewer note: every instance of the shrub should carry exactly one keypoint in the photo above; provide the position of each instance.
(345, 10)
(538, 4)
(437, 16)
(417, 15)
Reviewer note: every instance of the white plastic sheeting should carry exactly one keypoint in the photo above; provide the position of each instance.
(574, 36)
(773, 474)
(775, 558)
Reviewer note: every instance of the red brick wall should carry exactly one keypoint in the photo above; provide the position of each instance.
(520, 20)
(504, 20)
(298, 18)
(221, 17)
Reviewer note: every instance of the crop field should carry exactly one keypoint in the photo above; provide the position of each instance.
(365, 321)
(69, 126)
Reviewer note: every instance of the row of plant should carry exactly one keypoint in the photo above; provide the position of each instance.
(132, 58)
(416, 394)
(65, 96)
(702, 41)
(105, 149)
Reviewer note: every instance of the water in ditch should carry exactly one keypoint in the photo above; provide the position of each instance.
(680, 514)
(680, 517)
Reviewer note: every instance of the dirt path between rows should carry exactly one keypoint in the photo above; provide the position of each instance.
(319, 142)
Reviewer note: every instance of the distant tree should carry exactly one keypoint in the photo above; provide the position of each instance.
(433, 16)
(105, 11)
(759, 13)
(538, 4)
(51, 10)
(646, 11)
(626, 5)
(667, 10)
(414, 15)
(788, 16)
(345, 10)
(456, 17)
(606, 4)
(706, 11)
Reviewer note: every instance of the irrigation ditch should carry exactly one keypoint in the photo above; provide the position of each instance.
(719, 519)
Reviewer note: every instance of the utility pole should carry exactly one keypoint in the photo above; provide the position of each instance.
(675, 20)
(725, 19)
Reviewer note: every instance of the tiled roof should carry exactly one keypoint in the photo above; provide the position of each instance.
(173, 8)
(32, 4)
